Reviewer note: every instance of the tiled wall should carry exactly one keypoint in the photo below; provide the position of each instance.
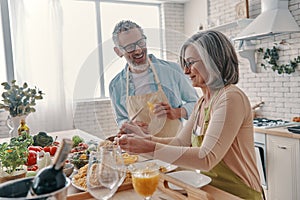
(95, 117)
(3, 127)
(173, 28)
(281, 94)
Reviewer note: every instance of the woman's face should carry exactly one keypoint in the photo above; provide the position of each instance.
(194, 67)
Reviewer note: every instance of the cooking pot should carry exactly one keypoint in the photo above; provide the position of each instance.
(18, 189)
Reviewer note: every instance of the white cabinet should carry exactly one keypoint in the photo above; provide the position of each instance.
(283, 168)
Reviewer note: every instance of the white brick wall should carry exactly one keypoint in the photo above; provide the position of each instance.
(173, 29)
(3, 128)
(95, 117)
(278, 92)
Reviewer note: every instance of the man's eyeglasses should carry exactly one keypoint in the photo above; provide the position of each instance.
(189, 64)
(132, 47)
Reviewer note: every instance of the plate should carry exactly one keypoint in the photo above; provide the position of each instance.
(77, 186)
(192, 178)
(168, 167)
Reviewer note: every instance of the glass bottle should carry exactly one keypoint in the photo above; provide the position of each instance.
(23, 127)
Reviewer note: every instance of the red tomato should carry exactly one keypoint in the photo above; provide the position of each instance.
(55, 143)
(53, 150)
(32, 168)
(35, 148)
(47, 149)
(31, 159)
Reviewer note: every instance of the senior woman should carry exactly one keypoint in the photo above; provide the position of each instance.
(218, 137)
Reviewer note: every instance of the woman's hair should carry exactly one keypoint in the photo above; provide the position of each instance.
(124, 25)
(218, 56)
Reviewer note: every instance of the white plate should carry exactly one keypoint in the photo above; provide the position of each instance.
(192, 178)
(76, 186)
(169, 167)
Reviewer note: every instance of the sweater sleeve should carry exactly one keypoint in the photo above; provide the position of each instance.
(227, 115)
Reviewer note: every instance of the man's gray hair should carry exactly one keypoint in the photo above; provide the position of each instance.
(124, 25)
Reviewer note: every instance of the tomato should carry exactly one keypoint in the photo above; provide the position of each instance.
(32, 168)
(55, 143)
(31, 159)
(53, 150)
(47, 149)
(35, 148)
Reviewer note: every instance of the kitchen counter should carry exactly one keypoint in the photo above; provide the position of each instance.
(74, 194)
(281, 131)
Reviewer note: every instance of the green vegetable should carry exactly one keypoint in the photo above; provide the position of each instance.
(14, 154)
(42, 139)
(76, 140)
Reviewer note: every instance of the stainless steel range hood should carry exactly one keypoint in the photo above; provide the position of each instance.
(274, 19)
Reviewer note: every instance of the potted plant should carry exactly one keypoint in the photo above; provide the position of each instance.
(271, 58)
(13, 156)
(19, 101)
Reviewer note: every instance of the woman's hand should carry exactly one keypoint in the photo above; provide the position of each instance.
(141, 131)
(142, 125)
(135, 144)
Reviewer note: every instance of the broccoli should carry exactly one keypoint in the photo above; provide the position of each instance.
(42, 139)
(76, 140)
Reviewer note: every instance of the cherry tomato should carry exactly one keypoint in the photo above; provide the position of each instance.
(55, 143)
(47, 149)
(31, 159)
(35, 148)
(53, 150)
(32, 168)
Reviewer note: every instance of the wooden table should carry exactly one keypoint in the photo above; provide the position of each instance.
(74, 194)
(161, 194)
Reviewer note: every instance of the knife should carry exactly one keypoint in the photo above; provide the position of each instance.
(136, 114)
(111, 138)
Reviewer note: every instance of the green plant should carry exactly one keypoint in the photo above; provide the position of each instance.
(14, 154)
(19, 100)
(271, 57)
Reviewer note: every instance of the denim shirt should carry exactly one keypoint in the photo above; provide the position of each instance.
(175, 84)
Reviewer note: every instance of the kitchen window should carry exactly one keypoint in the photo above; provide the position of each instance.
(89, 31)
(55, 42)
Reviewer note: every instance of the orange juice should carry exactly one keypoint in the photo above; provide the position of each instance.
(145, 185)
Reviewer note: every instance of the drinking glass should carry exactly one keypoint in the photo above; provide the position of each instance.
(145, 178)
(106, 172)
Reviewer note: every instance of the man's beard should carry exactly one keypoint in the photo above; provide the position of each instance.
(139, 68)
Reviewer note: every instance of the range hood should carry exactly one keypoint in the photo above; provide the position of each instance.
(275, 18)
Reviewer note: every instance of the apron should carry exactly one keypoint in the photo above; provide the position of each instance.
(160, 127)
(222, 176)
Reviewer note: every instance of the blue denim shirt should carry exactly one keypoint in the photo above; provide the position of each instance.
(175, 84)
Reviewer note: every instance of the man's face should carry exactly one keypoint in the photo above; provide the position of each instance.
(132, 45)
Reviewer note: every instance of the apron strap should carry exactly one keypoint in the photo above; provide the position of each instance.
(156, 79)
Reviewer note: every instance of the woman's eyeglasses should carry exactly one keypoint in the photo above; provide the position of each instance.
(132, 47)
(188, 65)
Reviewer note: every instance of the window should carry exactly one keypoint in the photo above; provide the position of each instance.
(146, 15)
(81, 36)
(2, 58)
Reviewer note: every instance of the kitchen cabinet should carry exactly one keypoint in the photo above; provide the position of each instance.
(283, 168)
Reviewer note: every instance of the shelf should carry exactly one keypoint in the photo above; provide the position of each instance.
(241, 23)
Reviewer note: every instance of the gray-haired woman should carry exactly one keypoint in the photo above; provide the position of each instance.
(218, 137)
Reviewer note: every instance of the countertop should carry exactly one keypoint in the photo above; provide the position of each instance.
(281, 131)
